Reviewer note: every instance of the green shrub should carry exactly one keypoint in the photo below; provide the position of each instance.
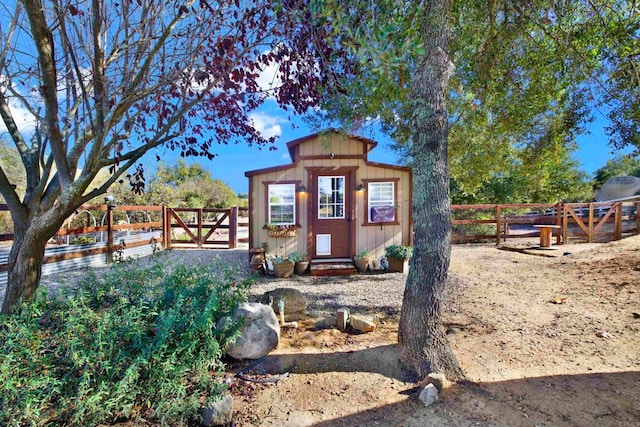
(82, 240)
(298, 256)
(398, 251)
(141, 342)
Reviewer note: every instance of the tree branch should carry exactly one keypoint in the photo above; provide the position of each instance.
(43, 40)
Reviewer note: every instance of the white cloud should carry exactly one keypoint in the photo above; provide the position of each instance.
(267, 125)
(268, 79)
(24, 119)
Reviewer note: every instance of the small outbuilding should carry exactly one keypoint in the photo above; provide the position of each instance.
(330, 201)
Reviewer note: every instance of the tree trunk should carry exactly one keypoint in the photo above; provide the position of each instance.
(423, 344)
(24, 268)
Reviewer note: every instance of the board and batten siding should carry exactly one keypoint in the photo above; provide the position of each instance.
(331, 151)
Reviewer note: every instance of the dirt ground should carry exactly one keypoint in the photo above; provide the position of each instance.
(529, 361)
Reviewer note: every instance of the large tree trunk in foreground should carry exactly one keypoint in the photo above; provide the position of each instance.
(422, 338)
(27, 255)
(25, 268)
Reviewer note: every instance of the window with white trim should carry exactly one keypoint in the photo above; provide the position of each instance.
(381, 201)
(331, 194)
(282, 204)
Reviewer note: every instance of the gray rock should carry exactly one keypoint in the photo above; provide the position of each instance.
(429, 395)
(294, 302)
(219, 413)
(439, 380)
(342, 319)
(618, 188)
(326, 322)
(362, 323)
(260, 332)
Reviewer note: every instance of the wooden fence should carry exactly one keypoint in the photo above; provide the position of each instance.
(95, 234)
(204, 228)
(590, 222)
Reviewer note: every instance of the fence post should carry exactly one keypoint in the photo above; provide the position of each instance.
(617, 227)
(163, 216)
(109, 234)
(498, 215)
(560, 234)
(565, 224)
(233, 228)
(200, 219)
(167, 222)
(590, 228)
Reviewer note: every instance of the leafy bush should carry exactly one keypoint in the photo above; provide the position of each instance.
(83, 240)
(298, 257)
(141, 342)
(362, 255)
(398, 251)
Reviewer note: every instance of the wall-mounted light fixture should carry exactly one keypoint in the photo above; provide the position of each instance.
(302, 188)
(360, 188)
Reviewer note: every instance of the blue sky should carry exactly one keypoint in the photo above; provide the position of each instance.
(233, 160)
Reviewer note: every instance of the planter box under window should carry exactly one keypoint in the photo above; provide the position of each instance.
(282, 233)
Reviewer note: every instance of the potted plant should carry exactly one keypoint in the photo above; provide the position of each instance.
(362, 260)
(301, 260)
(398, 257)
(282, 267)
(280, 230)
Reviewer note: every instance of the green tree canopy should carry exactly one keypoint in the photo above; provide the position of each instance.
(628, 164)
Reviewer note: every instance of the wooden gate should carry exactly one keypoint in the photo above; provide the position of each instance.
(200, 228)
(591, 219)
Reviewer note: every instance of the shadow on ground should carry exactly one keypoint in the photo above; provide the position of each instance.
(598, 399)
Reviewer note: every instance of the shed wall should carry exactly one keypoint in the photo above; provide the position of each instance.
(347, 153)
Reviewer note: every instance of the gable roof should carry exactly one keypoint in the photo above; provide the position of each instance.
(292, 147)
(292, 144)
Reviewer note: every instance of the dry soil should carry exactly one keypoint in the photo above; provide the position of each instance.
(543, 341)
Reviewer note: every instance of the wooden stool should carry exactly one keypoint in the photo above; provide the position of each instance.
(546, 231)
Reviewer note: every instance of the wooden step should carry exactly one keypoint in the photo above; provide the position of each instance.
(332, 268)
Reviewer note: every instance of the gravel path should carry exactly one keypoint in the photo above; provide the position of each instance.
(375, 293)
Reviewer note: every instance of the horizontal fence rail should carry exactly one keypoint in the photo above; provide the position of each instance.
(588, 222)
(94, 234)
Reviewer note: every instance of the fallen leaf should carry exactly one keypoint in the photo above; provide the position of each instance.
(558, 300)
(602, 334)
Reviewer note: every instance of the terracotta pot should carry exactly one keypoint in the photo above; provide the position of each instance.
(361, 264)
(398, 265)
(283, 269)
(301, 267)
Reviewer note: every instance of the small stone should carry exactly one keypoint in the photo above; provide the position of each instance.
(362, 323)
(219, 413)
(438, 379)
(342, 318)
(429, 395)
(325, 322)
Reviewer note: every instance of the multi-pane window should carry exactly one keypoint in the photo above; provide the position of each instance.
(331, 197)
(282, 203)
(381, 202)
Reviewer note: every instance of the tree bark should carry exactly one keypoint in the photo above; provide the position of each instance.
(24, 269)
(423, 344)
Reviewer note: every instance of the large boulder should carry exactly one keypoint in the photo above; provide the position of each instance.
(260, 331)
(619, 187)
(294, 302)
